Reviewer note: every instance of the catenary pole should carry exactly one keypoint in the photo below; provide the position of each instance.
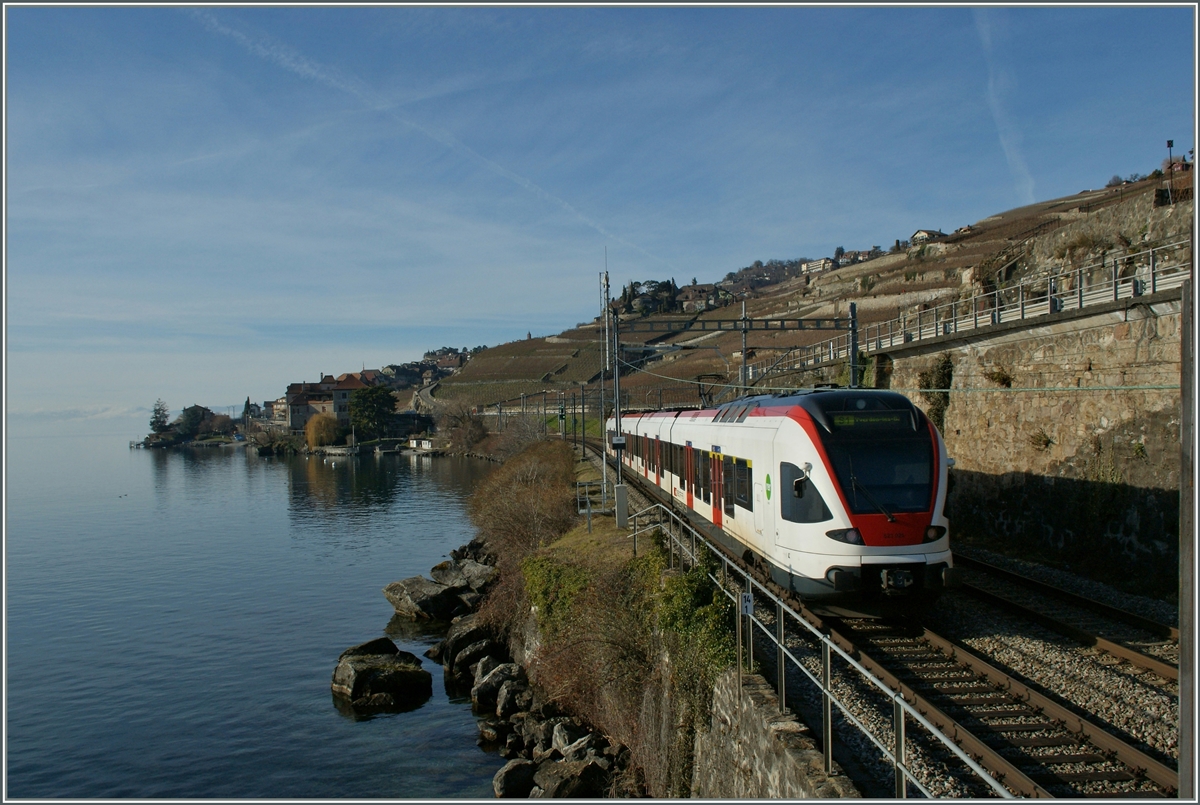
(1187, 549)
(603, 433)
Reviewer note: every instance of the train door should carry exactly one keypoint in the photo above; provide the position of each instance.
(717, 488)
(690, 470)
(657, 461)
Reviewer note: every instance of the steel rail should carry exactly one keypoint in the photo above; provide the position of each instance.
(1133, 619)
(1164, 669)
(1132, 757)
(991, 760)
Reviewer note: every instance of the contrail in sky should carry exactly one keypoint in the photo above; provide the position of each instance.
(1010, 136)
(287, 58)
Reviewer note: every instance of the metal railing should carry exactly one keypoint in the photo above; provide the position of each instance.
(586, 494)
(684, 546)
(1146, 272)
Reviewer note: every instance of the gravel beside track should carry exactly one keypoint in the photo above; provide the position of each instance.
(1134, 704)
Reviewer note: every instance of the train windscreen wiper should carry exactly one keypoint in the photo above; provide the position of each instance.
(871, 498)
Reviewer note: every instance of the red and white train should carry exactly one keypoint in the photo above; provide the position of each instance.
(838, 493)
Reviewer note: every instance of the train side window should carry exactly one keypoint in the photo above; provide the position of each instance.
(744, 484)
(703, 475)
(809, 506)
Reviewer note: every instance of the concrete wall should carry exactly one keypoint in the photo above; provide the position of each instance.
(1060, 464)
(752, 751)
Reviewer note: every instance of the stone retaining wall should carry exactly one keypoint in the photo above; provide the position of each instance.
(1051, 460)
(753, 751)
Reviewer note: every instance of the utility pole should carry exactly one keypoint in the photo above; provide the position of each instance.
(745, 322)
(1187, 548)
(1170, 172)
(620, 493)
(603, 421)
(853, 345)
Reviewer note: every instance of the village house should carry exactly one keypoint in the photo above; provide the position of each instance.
(302, 401)
(926, 235)
(452, 361)
(817, 266)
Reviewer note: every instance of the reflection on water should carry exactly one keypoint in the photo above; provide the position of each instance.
(182, 612)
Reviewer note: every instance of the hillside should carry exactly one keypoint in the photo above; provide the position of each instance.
(1041, 240)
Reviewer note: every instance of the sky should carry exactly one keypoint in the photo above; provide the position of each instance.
(203, 204)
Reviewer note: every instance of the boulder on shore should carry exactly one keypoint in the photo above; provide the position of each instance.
(483, 695)
(463, 574)
(515, 779)
(378, 675)
(463, 632)
(567, 780)
(418, 597)
(471, 655)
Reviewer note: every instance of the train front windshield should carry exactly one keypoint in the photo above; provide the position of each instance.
(882, 463)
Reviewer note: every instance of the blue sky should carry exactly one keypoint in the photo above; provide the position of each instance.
(204, 204)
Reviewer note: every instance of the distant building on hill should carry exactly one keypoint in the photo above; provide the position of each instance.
(926, 235)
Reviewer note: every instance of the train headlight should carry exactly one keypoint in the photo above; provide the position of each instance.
(934, 533)
(847, 535)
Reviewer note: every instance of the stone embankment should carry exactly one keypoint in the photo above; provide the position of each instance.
(753, 751)
(549, 753)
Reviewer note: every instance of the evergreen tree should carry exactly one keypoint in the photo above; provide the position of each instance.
(160, 417)
(371, 410)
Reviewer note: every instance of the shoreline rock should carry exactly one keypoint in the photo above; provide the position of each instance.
(377, 675)
(549, 753)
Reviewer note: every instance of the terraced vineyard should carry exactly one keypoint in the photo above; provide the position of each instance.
(529, 367)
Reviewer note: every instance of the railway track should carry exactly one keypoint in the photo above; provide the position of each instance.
(1034, 745)
(1140, 641)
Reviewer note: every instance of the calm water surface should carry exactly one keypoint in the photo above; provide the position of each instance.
(174, 617)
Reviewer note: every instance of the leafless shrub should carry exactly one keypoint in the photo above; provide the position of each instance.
(462, 425)
(520, 430)
(522, 506)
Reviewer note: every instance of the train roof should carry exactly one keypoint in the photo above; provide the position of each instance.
(821, 401)
(825, 398)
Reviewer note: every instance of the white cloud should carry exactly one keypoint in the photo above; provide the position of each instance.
(1000, 85)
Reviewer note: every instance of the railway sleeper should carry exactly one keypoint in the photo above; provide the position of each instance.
(1002, 728)
(1045, 740)
(1006, 712)
(977, 701)
(1075, 778)
(1080, 757)
(957, 693)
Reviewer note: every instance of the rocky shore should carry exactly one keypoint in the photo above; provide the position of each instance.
(550, 753)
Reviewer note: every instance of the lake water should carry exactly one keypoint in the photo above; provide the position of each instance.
(174, 618)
